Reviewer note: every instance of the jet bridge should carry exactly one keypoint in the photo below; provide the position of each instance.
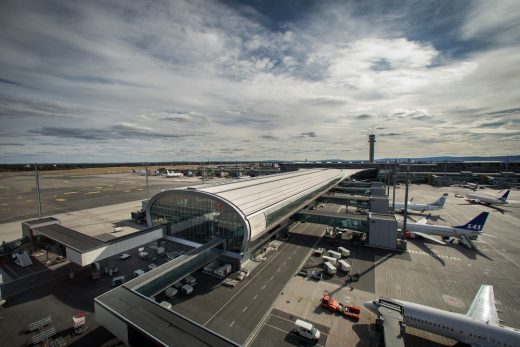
(357, 222)
(391, 316)
(372, 204)
(380, 228)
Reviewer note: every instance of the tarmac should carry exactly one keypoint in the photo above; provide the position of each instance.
(260, 311)
(63, 195)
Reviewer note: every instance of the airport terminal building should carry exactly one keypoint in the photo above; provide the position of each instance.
(244, 213)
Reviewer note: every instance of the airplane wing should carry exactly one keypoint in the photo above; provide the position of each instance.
(392, 327)
(483, 306)
(429, 237)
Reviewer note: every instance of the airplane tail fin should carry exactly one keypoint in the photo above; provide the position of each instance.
(504, 196)
(476, 224)
(440, 201)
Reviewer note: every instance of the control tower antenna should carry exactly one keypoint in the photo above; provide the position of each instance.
(371, 141)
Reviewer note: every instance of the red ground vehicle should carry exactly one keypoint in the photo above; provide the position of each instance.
(349, 311)
(329, 303)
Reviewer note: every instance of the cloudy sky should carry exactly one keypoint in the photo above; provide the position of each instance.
(98, 81)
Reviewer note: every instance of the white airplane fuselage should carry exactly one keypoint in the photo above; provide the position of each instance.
(458, 326)
(440, 230)
(485, 199)
(399, 206)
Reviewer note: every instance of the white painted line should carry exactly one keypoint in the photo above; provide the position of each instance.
(271, 278)
(284, 263)
(278, 270)
(244, 310)
(230, 325)
(263, 287)
(256, 296)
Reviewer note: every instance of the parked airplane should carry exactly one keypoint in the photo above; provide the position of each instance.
(170, 174)
(436, 205)
(500, 199)
(479, 327)
(470, 185)
(467, 232)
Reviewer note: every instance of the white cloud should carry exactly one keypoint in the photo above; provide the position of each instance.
(202, 67)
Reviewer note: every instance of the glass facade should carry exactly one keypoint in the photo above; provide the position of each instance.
(198, 217)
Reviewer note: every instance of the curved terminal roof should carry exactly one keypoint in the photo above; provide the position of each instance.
(257, 197)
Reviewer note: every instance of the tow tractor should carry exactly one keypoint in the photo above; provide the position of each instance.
(348, 311)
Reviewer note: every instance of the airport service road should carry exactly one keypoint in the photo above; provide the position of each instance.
(239, 316)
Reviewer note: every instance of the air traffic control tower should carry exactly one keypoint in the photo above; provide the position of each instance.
(371, 141)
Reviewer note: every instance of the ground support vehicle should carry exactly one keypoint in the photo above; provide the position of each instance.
(348, 311)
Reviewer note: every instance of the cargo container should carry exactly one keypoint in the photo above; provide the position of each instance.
(334, 254)
(345, 253)
(331, 260)
(190, 280)
(170, 292)
(117, 281)
(187, 289)
(331, 269)
(138, 272)
(166, 305)
(222, 271)
(344, 266)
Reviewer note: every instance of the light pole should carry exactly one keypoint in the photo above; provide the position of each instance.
(406, 195)
(395, 184)
(38, 192)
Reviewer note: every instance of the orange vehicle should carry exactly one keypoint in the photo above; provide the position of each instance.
(348, 311)
(329, 303)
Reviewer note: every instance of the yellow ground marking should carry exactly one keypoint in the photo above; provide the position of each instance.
(99, 187)
(60, 199)
(91, 193)
(67, 193)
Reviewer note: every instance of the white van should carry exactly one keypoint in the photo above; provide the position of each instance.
(331, 269)
(344, 266)
(331, 260)
(306, 330)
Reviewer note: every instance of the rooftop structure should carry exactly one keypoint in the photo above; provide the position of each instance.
(240, 212)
